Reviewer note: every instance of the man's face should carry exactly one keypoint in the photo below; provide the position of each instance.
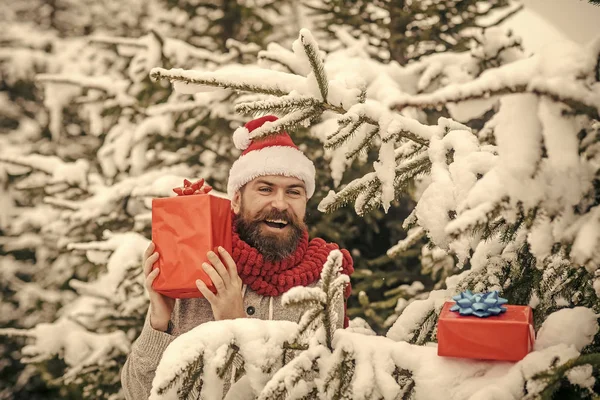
(270, 214)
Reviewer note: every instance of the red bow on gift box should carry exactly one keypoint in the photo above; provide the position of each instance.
(190, 188)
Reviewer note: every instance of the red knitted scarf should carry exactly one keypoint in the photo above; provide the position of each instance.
(301, 268)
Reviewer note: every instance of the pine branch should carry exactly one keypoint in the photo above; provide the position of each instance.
(432, 101)
(284, 57)
(12, 332)
(403, 133)
(344, 374)
(349, 193)
(312, 52)
(362, 146)
(476, 218)
(62, 203)
(331, 270)
(268, 57)
(411, 239)
(232, 352)
(300, 368)
(425, 329)
(192, 379)
(217, 80)
(365, 192)
(284, 105)
(553, 377)
(411, 168)
(46, 164)
(288, 122)
(308, 297)
(307, 320)
(294, 346)
(347, 127)
(503, 18)
(89, 82)
(404, 379)
(487, 61)
(137, 43)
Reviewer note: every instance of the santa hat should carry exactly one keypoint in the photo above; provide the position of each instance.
(273, 155)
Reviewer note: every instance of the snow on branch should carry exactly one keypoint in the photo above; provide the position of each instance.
(369, 186)
(201, 351)
(178, 51)
(262, 347)
(102, 83)
(529, 75)
(287, 122)
(321, 302)
(297, 377)
(240, 78)
(66, 339)
(282, 105)
(312, 52)
(73, 173)
(106, 199)
(495, 17)
(277, 54)
(413, 236)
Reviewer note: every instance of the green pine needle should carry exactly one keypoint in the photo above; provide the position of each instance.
(282, 106)
(317, 66)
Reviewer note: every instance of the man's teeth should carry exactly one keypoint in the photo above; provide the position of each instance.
(277, 221)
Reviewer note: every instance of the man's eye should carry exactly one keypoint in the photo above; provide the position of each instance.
(264, 189)
(294, 192)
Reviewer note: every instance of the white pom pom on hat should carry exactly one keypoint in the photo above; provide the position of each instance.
(241, 138)
(273, 155)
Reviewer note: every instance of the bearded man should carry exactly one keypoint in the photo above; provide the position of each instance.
(269, 186)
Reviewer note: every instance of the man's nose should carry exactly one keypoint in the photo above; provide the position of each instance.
(279, 202)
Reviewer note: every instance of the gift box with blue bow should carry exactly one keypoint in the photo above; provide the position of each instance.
(483, 326)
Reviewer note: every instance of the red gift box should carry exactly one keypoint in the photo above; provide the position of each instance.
(507, 337)
(184, 229)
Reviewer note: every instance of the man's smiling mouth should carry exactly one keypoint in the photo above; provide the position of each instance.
(276, 223)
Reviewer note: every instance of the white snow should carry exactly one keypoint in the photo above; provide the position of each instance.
(583, 376)
(558, 328)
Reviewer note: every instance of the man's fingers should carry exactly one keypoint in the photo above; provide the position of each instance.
(150, 278)
(149, 250)
(208, 295)
(214, 276)
(231, 267)
(148, 263)
(218, 264)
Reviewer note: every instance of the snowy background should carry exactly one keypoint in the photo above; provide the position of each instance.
(457, 145)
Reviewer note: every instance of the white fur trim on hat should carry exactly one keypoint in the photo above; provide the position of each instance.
(241, 138)
(273, 160)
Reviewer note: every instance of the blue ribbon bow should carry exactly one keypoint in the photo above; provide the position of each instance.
(479, 304)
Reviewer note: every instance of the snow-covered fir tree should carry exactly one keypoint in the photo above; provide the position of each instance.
(76, 193)
(515, 202)
(89, 141)
(408, 30)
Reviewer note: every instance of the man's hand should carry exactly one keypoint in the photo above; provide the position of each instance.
(227, 303)
(161, 306)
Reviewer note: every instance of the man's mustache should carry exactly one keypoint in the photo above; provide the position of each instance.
(275, 214)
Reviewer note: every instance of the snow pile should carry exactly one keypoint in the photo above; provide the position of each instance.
(381, 367)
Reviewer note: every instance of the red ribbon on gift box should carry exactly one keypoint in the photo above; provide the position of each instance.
(190, 188)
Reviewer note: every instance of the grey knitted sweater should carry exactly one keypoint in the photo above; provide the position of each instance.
(139, 369)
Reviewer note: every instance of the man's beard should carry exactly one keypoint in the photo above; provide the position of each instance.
(273, 246)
